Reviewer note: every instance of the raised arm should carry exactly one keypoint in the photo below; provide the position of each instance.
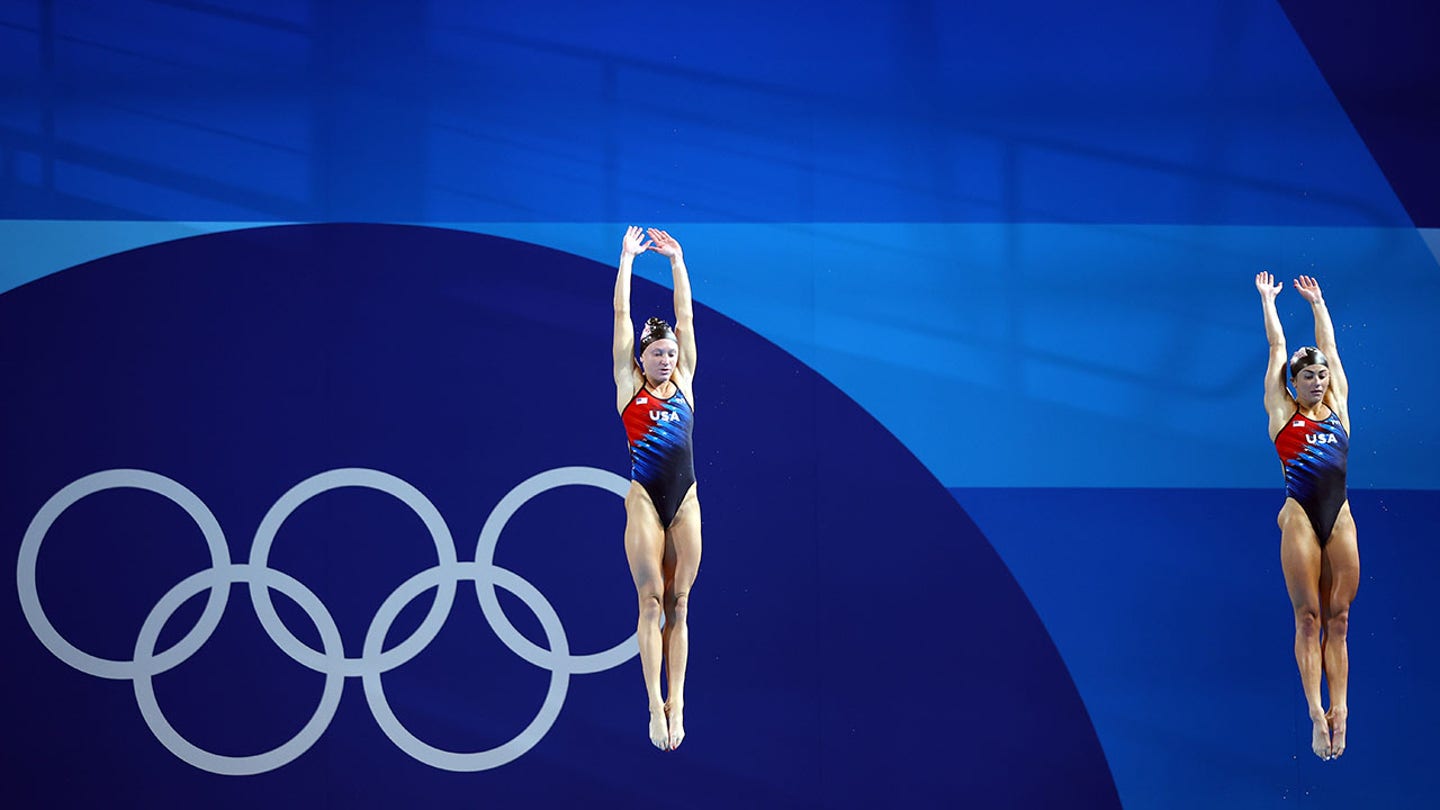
(665, 245)
(1278, 402)
(623, 344)
(1309, 289)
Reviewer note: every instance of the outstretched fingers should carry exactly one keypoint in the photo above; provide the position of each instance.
(1308, 288)
(635, 243)
(663, 243)
(1266, 284)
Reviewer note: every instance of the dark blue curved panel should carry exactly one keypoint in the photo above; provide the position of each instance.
(1380, 61)
(847, 607)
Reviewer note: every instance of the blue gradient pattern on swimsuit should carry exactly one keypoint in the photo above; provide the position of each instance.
(665, 444)
(1319, 459)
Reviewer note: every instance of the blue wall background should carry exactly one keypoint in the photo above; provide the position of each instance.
(1020, 240)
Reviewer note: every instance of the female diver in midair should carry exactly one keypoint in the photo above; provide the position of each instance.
(656, 398)
(1318, 550)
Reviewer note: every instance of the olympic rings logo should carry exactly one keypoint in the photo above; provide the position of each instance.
(374, 661)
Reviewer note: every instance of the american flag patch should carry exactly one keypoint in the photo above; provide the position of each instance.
(643, 400)
(1297, 423)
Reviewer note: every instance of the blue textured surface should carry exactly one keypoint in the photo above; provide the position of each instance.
(1127, 112)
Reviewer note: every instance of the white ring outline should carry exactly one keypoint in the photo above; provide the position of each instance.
(478, 760)
(374, 661)
(485, 555)
(317, 485)
(220, 580)
(30, 554)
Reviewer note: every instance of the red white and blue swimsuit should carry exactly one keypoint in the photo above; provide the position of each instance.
(662, 460)
(1313, 456)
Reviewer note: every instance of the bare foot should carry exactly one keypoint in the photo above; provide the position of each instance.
(1320, 737)
(1336, 718)
(676, 714)
(659, 731)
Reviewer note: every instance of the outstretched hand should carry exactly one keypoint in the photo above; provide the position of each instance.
(1308, 288)
(1267, 285)
(634, 243)
(664, 244)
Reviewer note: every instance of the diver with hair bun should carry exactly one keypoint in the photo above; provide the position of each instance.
(656, 399)
(1318, 548)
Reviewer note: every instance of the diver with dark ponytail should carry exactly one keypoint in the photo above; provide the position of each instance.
(656, 399)
(1318, 549)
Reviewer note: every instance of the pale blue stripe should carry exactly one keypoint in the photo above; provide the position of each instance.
(1022, 355)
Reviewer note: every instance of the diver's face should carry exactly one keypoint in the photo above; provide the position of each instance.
(658, 360)
(1311, 383)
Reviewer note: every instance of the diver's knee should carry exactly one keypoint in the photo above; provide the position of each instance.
(1338, 624)
(680, 604)
(1307, 621)
(650, 607)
